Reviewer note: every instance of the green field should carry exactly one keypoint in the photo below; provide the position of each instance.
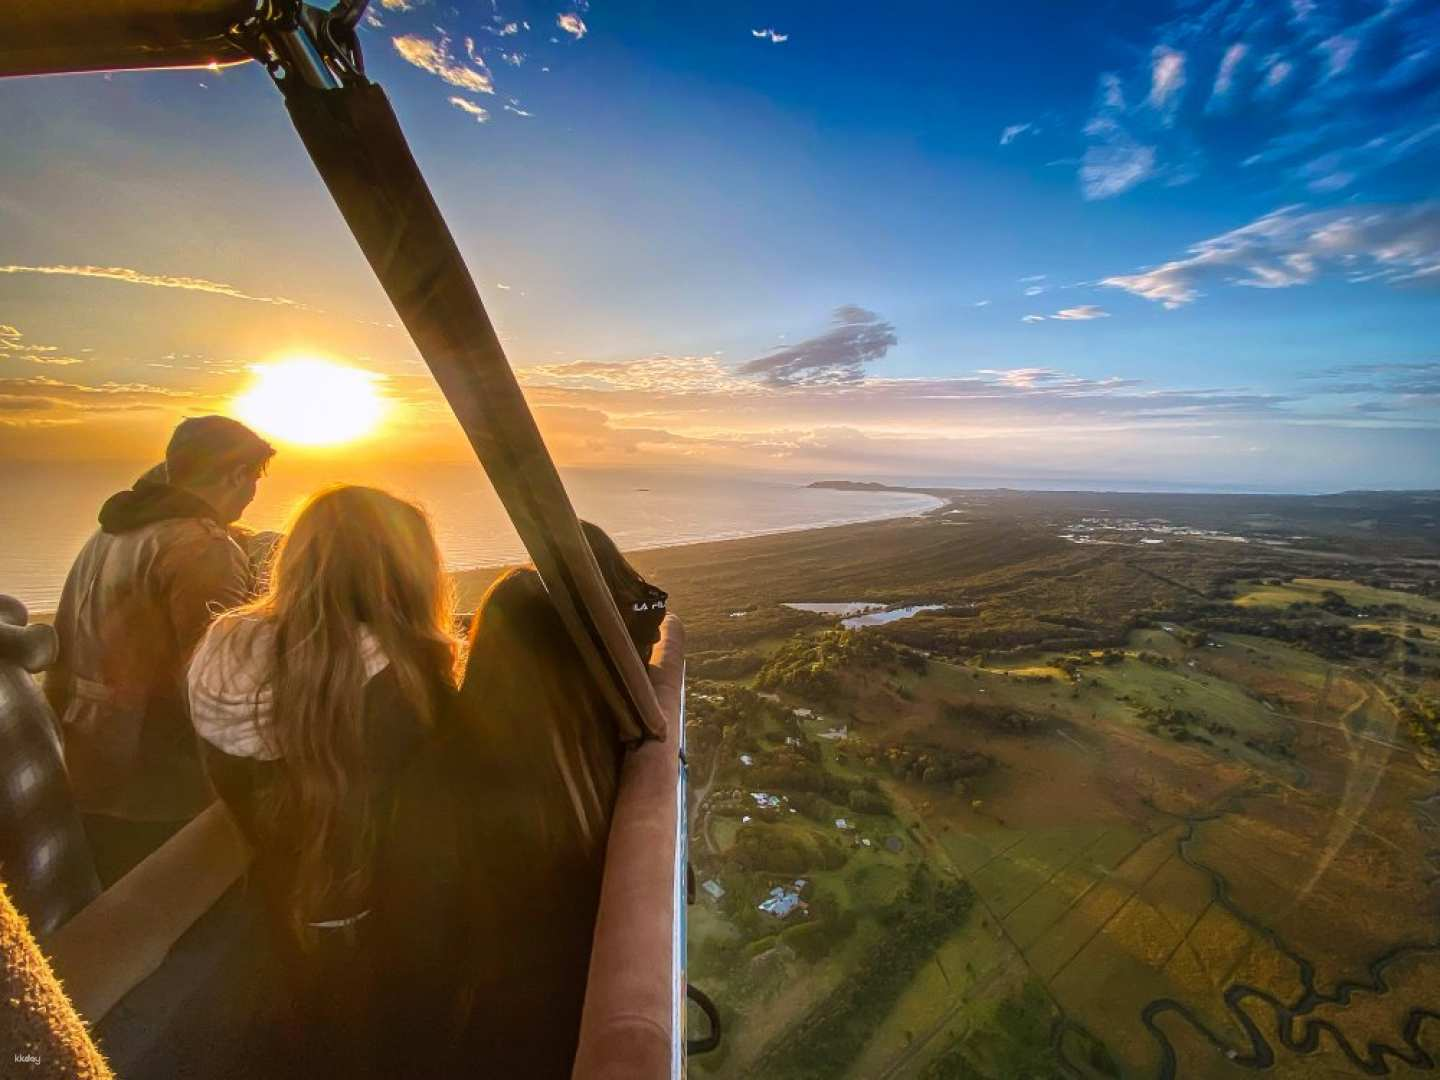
(1303, 590)
(1089, 761)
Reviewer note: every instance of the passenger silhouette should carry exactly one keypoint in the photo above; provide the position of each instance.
(309, 703)
(491, 873)
(642, 605)
(136, 601)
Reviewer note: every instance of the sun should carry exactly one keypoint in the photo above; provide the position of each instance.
(312, 402)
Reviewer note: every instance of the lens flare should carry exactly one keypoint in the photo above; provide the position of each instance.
(312, 402)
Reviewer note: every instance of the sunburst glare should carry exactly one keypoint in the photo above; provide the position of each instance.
(312, 402)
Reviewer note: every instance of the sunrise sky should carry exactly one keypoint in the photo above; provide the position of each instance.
(1191, 242)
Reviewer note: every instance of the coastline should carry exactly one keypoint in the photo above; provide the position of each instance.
(471, 581)
(751, 534)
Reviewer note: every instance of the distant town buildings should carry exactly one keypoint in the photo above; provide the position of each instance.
(1085, 530)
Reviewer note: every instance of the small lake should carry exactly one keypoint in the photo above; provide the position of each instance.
(854, 608)
(865, 613)
(879, 618)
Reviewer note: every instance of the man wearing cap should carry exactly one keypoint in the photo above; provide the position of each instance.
(136, 602)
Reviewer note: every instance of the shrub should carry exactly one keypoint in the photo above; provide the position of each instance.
(812, 939)
(784, 849)
(724, 665)
(868, 802)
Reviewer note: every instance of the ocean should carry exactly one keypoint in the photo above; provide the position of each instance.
(47, 510)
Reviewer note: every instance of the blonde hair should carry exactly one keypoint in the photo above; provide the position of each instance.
(351, 558)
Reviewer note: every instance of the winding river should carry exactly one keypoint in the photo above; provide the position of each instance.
(1294, 1028)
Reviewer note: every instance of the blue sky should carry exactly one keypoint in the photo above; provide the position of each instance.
(1196, 242)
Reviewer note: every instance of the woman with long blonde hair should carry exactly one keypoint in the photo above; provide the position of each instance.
(309, 703)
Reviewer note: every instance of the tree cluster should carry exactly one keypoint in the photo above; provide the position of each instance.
(998, 719)
(809, 665)
(784, 849)
(933, 766)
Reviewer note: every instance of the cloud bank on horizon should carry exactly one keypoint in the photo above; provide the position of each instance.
(1227, 253)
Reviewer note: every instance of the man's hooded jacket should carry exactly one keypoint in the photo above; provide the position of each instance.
(135, 604)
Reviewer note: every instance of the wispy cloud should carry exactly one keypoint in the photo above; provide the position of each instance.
(1225, 74)
(1351, 84)
(672, 376)
(572, 24)
(1402, 392)
(588, 434)
(1079, 313)
(1293, 247)
(1167, 78)
(433, 55)
(1112, 93)
(160, 281)
(1013, 132)
(1338, 51)
(14, 346)
(1115, 161)
(471, 109)
(1414, 383)
(837, 356)
(1277, 71)
(1112, 169)
(45, 395)
(397, 5)
(771, 35)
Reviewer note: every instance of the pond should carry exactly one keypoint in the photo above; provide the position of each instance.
(860, 613)
(879, 618)
(852, 608)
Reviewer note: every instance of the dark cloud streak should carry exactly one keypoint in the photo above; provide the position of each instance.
(836, 357)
